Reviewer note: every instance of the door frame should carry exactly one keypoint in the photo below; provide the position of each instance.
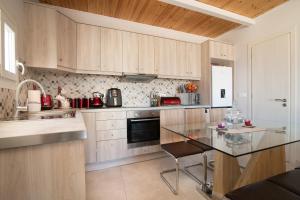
(293, 116)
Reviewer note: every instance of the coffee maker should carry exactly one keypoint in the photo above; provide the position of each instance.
(114, 98)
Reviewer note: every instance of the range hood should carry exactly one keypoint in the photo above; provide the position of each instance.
(146, 78)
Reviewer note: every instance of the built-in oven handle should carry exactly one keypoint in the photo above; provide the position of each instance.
(144, 120)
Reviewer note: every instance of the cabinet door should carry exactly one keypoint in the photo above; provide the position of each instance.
(198, 115)
(171, 117)
(40, 33)
(194, 59)
(90, 142)
(215, 49)
(181, 60)
(66, 42)
(111, 150)
(111, 51)
(217, 114)
(227, 51)
(146, 54)
(221, 50)
(88, 47)
(130, 52)
(165, 56)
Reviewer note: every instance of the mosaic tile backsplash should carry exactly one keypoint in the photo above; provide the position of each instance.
(7, 102)
(80, 85)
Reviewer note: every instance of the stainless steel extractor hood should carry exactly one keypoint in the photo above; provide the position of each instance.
(146, 78)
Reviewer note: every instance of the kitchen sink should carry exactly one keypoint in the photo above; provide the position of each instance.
(49, 114)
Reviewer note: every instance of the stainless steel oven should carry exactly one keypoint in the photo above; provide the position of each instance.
(143, 128)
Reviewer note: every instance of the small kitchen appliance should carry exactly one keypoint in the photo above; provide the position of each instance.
(114, 98)
(46, 102)
(169, 101)
(97, 101)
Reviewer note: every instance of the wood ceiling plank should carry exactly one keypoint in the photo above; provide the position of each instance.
(249, 8)
(156, 13)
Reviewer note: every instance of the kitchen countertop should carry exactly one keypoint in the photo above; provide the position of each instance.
(28, 132)
(144, 108)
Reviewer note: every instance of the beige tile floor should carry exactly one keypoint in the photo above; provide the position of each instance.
(139, 181)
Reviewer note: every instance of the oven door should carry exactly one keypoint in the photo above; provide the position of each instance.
(143, 129)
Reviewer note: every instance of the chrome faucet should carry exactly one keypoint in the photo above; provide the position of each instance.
(24, 108)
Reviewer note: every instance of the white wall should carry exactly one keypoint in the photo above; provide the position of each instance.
(281, 19)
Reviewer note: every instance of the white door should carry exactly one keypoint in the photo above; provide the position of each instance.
(271, 66)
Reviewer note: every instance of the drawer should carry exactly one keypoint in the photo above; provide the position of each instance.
(111, 150)
(108, 115)
(112, 134)
(111, 125)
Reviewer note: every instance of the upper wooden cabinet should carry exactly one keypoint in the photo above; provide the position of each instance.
(88, 48)
(194, 60)
(111, 51)
(66, 42)
(50, 38)
(221, 50)
(188, 60)
(55, 41)
(138, 53)
(146, 55)
(181, 59)
(165, 57)
(40, 36)
(130, 52)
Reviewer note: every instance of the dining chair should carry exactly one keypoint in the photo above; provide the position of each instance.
(182, 149)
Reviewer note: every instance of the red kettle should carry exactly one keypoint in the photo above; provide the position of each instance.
(97, 100)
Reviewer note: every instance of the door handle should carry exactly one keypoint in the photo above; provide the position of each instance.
(280, 100)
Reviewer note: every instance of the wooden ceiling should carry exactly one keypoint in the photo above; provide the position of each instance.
(156, 13)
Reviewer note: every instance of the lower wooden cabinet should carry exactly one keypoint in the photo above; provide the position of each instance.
(107, 133)
(217, 114)
(111, 150)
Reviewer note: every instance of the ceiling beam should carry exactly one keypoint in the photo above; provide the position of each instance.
(211, 10)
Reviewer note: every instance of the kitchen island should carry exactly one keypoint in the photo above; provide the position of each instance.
(42, 157)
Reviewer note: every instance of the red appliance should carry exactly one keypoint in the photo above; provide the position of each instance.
(46, 102)
(169, 101)
(97, 101)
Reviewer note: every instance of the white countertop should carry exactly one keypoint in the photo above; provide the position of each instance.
(32, 127)
(144, 108)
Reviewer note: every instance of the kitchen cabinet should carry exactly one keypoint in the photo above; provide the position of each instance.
(221, 50)
(88, 48)
(111, 150)
(181, 59)
(50, 39)
(188, 60)
(138, 53)
(111, 51)
(40, 36)
(146, 55)
(193, 60)
(165, 57)
(130, 52)
(209, 57)
(90, 142)
(171, 117)
(217, 114)
(197, 115)
(66, 42)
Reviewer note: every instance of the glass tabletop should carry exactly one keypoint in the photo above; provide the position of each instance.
(234, 142)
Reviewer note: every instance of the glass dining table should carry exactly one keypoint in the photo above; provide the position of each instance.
(266, 147)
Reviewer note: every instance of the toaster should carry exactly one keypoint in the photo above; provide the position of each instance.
(169, 101)
(114, 98)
